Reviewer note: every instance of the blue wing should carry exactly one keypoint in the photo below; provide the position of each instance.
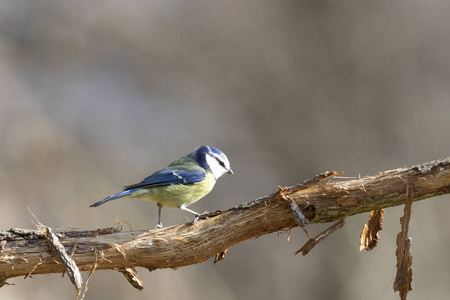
(167, 177)
(160, 178)
(182, 171)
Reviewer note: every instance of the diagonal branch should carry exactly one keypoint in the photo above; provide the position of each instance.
(24, 252)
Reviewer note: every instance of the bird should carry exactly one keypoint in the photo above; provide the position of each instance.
(182, 183)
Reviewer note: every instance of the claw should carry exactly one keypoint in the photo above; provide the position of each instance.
(200, 216)
(195, 220)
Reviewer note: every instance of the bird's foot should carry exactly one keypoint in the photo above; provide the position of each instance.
(200, 217)
(158, 225)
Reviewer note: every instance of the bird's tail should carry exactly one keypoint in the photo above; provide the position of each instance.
(116, 196)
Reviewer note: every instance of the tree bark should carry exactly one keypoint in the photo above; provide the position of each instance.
(26, 252)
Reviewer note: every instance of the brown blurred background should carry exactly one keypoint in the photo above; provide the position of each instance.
(95, 95)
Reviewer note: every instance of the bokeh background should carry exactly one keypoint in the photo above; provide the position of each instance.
(95, 95)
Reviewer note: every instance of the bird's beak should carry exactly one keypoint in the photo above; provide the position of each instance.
(230, 171)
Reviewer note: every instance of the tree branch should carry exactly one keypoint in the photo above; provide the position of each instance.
(26, 252)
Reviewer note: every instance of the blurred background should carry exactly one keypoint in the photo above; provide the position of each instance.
(95, 95)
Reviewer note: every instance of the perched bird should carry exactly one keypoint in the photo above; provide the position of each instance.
(183, 182)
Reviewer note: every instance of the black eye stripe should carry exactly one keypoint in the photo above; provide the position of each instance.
(219, 160)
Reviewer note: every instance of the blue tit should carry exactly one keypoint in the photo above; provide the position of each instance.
(183, 182)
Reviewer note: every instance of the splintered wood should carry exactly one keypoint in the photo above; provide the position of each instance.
(312, 242)
(131, 275)
(220, 256)
(403, 278)
(369, 235)
(60, 254)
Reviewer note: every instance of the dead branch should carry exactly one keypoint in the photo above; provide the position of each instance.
(26, 252)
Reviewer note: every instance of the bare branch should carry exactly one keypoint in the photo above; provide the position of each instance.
(24, 252)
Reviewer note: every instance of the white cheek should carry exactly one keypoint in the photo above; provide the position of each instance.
(215, 167)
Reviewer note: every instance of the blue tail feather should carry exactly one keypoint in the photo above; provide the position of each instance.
(113, 197)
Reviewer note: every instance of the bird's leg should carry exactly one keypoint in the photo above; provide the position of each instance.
(189, 210)
(197, 215)
(159, 224)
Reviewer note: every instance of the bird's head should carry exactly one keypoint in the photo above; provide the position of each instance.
(212, 159)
